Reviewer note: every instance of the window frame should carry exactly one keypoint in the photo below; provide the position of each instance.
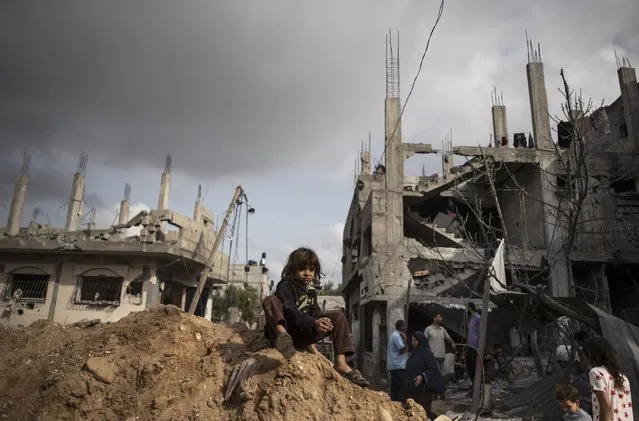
(83, 280)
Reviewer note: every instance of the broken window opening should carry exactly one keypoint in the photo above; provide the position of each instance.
(135, 288)
(562, 183)
(367, 247)
(368, 328)
(624, 185)
(200, 309)
(172, 294)
(565, 134)
(355, 312)
(624, 291)
(99, 290)
(623, 131)
(27, 287)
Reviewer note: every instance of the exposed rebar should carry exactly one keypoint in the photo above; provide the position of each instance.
(82, 164)
(534, 53)
(167, 165)
(25, 167)
(392, 67)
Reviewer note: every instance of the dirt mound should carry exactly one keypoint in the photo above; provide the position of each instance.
(163, 364)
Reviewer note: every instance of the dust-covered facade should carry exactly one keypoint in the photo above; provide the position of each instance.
(75, 273)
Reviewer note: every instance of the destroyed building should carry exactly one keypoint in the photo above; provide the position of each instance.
(410, 240)
(253, 274)
(87, 272)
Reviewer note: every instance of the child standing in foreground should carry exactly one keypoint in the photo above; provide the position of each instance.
(295, 320)
(611, 394)
(568, 397)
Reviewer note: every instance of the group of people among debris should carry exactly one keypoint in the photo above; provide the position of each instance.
(296, 322)
(420, 374)
(609, 387)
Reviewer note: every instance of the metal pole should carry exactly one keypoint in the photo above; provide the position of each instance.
(216, 245)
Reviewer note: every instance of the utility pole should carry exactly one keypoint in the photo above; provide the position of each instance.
(483, 327)
(216, 245)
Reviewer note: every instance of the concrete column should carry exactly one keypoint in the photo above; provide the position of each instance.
(208, 313)
(393, 153)
(377, 351)
(630, 99)
(538, 99)
(152, 289)
(197, 211)
(74, 211)
(447, 165)
(500, 124)
(34, 227)
(165, 187)
(19, 195)
(365, 160)
(17, 205)
(123, 216)
(394, 161)
(600, 282)
(76, 200)
(554, 234)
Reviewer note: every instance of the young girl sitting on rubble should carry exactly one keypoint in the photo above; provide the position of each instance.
(294, 320)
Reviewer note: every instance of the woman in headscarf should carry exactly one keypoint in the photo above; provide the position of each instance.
(424, 378)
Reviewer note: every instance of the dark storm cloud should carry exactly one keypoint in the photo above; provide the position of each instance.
(46, 184)
(231, 87)
(224, 86)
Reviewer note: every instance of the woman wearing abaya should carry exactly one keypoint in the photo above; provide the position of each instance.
(424, 377)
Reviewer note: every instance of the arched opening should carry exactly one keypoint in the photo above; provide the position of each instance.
(27, 284)
(99, 287)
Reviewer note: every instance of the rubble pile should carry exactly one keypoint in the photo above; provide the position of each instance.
(164, 364)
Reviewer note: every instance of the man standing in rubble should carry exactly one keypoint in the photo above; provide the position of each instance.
(473, 341)
(437, 338)
(396, 356)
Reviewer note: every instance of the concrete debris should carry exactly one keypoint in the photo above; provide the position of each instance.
(466, 416)
(102, 369)
(384, 415)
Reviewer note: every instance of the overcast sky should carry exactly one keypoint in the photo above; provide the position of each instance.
(275, 96)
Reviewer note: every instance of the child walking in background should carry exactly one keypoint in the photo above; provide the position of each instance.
(611, 396)
(295, 321)
(568, 397)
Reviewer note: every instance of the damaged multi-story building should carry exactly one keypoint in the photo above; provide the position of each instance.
(423, 239)
(75, 273)
(254, 274)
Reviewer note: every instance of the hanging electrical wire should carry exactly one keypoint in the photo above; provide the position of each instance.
(222, 246)
(237, 234)
(412, 88)
(246, 262)
(228, 265)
